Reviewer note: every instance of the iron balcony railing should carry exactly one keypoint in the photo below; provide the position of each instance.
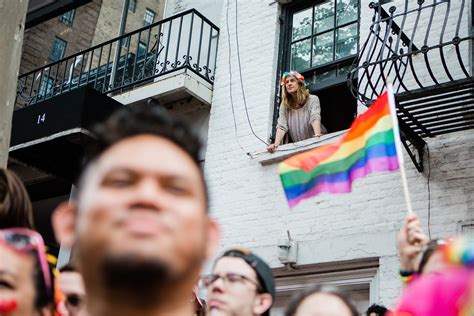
(417, 45)
(185, 41)
(424, 49)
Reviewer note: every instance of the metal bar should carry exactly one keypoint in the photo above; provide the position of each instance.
(98, 67)
(442, 101)
(208, 71)
(441, 52)
(64, 78)
(80, 71)
(442, 107)
(199, 49)
(105, 87)
(189, 39)
(165, 62)
(91, 55)
(405, 39)
(178, 43)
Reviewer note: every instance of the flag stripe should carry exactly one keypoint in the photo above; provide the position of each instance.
(299, 176)
(374, 152)
(368, 146)
(375, 165)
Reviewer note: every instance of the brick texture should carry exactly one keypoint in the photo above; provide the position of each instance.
(248, 200)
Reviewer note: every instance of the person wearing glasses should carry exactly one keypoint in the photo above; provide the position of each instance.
(73, 296)
(300, 112)
(26, 287)
(140, 224)
(241, 284)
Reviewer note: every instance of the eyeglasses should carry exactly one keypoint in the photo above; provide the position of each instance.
(229, 279)
(74, 303)
(25, 240)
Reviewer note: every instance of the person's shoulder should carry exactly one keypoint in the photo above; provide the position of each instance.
(313, 99)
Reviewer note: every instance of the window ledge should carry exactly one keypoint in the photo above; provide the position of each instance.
(288, 150)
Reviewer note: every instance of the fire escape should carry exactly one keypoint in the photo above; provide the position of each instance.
(424, 48)
(58, 103)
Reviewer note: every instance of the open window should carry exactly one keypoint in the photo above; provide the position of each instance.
(320, 41)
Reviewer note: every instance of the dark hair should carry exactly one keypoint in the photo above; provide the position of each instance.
(429, 251)
(43, 297)
(377, 309)
(69, 267)
(140, 119)
(15, 204)
(298, 298)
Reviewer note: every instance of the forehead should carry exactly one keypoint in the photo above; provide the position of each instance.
(233, 265)
(290, 77)
(148, 154)
(323, 304)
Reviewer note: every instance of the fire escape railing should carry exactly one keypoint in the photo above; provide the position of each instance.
(423, 48)
(184, 41)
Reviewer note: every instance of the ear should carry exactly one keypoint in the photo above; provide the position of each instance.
(64, 223)
(213, 236)
(263, 302)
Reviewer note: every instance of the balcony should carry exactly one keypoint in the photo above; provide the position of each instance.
(425, 50)
(57, 104)
(176, 56)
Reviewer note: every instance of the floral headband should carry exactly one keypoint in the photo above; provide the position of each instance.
(293, 73)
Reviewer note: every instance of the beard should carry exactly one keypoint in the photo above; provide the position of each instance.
(137, 282)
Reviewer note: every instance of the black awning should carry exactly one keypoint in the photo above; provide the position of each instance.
(53, 134)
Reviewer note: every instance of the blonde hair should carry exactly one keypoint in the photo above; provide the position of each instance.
(302, 95)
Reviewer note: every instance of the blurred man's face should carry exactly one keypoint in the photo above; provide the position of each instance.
(144, 201)
(72, 288)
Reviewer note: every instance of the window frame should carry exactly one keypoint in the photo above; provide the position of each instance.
(285, 46)
(284, 54)
(132, 6)
(68, 20)
(145, 22)
(141, 45)
(57, 39)
(46, 85)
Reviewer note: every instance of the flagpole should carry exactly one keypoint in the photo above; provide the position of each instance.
(401, 162)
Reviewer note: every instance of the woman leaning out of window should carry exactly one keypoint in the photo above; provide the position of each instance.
(300, 112)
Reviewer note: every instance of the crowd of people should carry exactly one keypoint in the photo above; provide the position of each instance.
(140, 232)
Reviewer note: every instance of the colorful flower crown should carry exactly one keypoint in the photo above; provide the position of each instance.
(293, 73)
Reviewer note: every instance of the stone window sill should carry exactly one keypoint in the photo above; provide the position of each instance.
(288, 150)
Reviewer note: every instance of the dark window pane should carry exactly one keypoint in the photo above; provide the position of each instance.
(141, 49)
(347, 11)
(323, 48)
(67, 17)
(132, 6)
(302, 24)
(346, 38)
(300, 55)
(57, 50)
(324, 16)
(45, 87)
(343, 71)
(149, 17)
(326, 75)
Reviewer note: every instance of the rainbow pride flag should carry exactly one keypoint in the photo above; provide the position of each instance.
(368, 146)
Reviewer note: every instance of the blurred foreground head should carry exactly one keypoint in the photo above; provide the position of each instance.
(321, 300)
(140, 223)
(26, 280)
(15, 204)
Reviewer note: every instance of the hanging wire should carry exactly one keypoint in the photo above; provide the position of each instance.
(230, 84)
(240, 72)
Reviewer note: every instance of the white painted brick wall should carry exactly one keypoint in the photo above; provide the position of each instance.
(248, 200)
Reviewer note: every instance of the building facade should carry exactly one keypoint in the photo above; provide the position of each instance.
(347, 240)
(220, 64)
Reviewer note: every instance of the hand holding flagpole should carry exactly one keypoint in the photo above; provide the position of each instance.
(401, 162)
